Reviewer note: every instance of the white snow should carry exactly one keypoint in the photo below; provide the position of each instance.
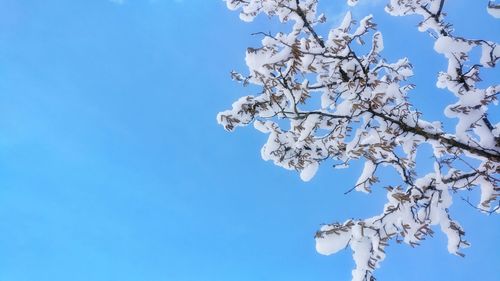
(446, 44)
(309, 171)
(493, 10)
(368, 170)
(331, 244)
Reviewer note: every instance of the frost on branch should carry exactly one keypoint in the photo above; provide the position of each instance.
(364, 114)
(493, 9)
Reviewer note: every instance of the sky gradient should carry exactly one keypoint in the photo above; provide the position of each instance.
(112, 165)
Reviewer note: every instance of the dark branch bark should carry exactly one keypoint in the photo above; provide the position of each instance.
(308, 25)
(439, 137)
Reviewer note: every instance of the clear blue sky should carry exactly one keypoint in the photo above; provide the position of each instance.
(112, 166)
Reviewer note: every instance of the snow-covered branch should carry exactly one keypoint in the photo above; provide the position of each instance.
(365, 114)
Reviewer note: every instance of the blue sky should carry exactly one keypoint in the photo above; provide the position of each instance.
(112, 166)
